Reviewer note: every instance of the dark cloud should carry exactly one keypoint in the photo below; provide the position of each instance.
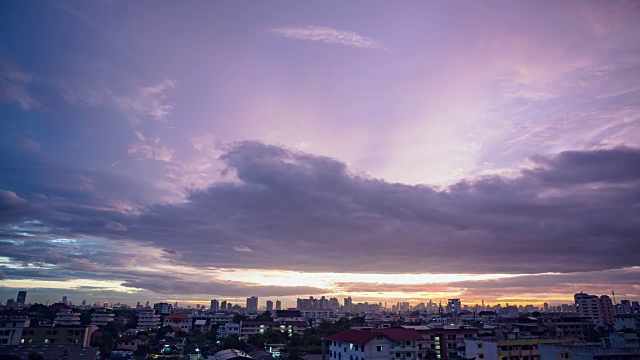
(325, 218)
(574, 212)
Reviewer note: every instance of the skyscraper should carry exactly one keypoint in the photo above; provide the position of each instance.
(22, 297)
(214, 306)
(269, 305)
(347, 304)
(278, 305)
(223, 305)
(252, 304)
(64, 300)
(454, 306)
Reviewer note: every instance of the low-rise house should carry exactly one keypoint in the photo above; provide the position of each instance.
(132, 342)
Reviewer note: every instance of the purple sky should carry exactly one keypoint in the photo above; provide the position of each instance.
(391, 151)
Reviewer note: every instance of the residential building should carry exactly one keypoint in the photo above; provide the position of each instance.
(228, 329)
(512, 349)
(581, 351)
(346, 304)
(102, 317)
(599, 309)
(379, 344)
(453, 306)
(223, 305)
(215, 306)
(147, 319)
(252, 304)
(80, 335)
(249, 327)
(66, 317)
(269, 305)
(11, 328)
(48, 351)
(178, 321)
(278, 305)
(132, 342)
(163, 308)
(445, 341)
(288, 315)
(317, 314)
(231, 354)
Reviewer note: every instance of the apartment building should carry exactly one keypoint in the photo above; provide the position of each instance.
(102, 317)
(66, 317)
(379, 344)
(60, 334)
(147, 319)
(512, 349)
(447, 341)
(599, 309)
(249, 327)
(11, 328)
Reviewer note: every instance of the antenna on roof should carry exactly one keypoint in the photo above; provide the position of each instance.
(614, 297)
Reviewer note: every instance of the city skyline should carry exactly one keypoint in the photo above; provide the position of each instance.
(425, 150)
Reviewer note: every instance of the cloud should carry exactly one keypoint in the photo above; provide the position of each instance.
(115, 226)
(565, 208)
(10, 201)
(136, 102)
(328, 35)
(151, 149)
(14, 84)
(28, 144)
(242, 248)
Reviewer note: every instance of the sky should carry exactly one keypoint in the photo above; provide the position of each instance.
(185, 151)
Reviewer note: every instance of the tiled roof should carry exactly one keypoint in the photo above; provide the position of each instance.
(357, 337)
(178, 316)
(400, 334)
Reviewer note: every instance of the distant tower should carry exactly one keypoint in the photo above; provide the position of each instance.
(214, 306)
(269, 305)
(22, 297)
(64, 300)
(278, 305)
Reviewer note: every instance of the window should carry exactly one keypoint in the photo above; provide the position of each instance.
(379, 348)
(397, 354)
(407, 342)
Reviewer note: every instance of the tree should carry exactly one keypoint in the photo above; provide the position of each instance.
(234, 342)
(265, 316)
(237, 318)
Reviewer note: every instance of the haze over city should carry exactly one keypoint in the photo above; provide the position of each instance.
(413, 151)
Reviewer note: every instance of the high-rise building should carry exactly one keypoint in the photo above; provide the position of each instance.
(163, 308)
(22, 297)
(223, 305)
(347, 304)
(546, 307)
(269, 305)
(453, 306)
(65, 300)
(599, 309)
(278, 305)
(252, 304)
(214, 306)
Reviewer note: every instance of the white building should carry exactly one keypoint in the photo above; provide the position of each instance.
(163, 308)
(178, 321)
(381, 344)
(102, 317)
(147, 319)
(11, 329)
(228, 329)
(66, 317)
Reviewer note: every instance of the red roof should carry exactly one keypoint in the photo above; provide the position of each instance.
(401, 334)
(361, 337)
(178, 316)
(357, 337)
